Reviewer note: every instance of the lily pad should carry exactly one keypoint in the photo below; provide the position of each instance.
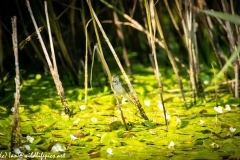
(108, 137)
(115, 125)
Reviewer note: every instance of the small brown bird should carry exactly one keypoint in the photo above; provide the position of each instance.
(119, 89)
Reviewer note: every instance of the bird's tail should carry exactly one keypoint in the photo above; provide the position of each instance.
(129, 98)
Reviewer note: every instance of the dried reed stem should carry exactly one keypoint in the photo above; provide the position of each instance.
(16, 135)
(152, 30)
(53, 69)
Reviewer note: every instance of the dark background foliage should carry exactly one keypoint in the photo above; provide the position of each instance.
(68, 15)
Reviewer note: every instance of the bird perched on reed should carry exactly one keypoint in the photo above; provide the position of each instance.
(119, 89)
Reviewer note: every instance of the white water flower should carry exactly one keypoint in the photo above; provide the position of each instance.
(206, 82)
(171, 145)
(167, 116)
(76, 121)
(93, 119)
(178, 120)
(98, 135)
(201, 121)
(109, 151)
(147, 102)
(27, 147)
(17, 151)
(218, 109)
(58, 148)
(30, 139)
(227, 107)
(232, 129)
(124, 101)
(160, 106)
(214, 145)
(82, 107)
(118, 111)
(73, 137)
